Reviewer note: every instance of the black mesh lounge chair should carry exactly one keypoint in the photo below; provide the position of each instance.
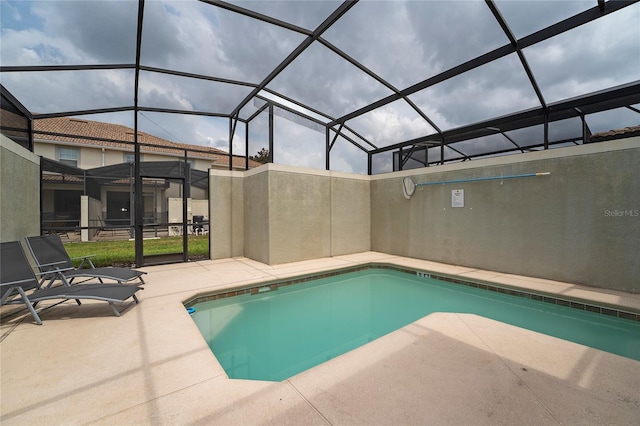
(17, 278)
(48, 250)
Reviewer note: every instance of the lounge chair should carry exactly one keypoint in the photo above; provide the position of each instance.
(48, 250)
(114, 229)
(17, 277)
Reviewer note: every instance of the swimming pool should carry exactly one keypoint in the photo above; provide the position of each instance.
(273, 335)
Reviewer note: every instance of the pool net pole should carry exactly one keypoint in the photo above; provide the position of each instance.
(485, 178)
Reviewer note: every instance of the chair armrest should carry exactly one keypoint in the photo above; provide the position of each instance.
(54, 270)
(85, 259)
(17, 282)
(41, 265)
(51, 275)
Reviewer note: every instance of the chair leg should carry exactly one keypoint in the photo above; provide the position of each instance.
(34, 314)
(115, 310)
(26, 301)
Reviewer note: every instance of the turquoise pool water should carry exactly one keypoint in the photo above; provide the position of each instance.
(275, 335)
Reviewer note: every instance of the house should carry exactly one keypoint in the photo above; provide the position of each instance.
(93, 163)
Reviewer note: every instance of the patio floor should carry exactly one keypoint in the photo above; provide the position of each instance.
(152, 366)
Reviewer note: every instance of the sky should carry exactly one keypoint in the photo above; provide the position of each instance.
(402, 42)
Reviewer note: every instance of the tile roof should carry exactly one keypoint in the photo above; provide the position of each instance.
(47, 177)
(616, 134)
(87, 132)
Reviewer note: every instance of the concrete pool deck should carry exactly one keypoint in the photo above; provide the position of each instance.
(152, 366)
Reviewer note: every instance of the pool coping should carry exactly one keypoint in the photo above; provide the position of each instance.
(574, 302)
(152, 365)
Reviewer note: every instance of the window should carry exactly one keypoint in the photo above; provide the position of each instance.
(68, 156)
(130, 158)
(192, 163)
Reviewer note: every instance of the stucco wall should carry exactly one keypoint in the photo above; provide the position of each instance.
(300, 215)
(256, 214)
(95, 214)
(278, 214)
(581, 224)
(20, 194)
(226, 214)
(350, 214)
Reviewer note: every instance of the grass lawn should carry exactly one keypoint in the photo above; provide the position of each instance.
(111, 253)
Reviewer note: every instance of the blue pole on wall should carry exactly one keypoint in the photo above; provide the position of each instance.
(409, 186)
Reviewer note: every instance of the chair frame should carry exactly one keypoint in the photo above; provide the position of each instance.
(68, 275)
(27, 280)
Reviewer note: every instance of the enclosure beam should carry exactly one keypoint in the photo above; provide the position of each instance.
(246, 145)
(196, 76)
(337, 14)
(514, 42)
(546, 130)
(47, 68)
(139, 202)
(186, 194)
(327, 147)
(617, 97)
(537, 37)
(233, 123)
(379, 79)
(23, 110)
(315, 120)
(270, 132)
(258, 16)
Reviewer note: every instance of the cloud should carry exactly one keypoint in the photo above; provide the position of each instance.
(174, 92)
(305, 14)
(299, 145)
(321, 79)
(393, 123)
(596, 56)
(34, 47)
(11, 9)
(526, 17)
(407, 42)
(403, 42)
(492, 90)
(43, 92)
(100, 32)
(198, 38)
(346, 157)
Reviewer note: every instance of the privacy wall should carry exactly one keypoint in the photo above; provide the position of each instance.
(20, 195)
(278, 214)
(226, 214)
(580, 224)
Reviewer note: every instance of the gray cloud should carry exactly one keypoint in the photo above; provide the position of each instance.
(404, 42)
(305, 14)
(198, 38)
(529, 16)
(324, 81)
(103, 32)
(407, 42)
(593, 57)
(166, 91)
(490, 91)
(43, 92)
